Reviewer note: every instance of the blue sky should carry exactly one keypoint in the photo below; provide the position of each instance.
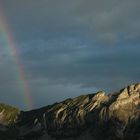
(70, 48)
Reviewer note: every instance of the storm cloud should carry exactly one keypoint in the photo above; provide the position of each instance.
(68, 48)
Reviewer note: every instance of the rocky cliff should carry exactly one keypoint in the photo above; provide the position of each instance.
(97, 116)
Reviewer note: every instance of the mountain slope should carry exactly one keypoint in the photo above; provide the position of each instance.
(94, 117)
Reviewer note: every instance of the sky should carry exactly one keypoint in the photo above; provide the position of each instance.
(68, 48)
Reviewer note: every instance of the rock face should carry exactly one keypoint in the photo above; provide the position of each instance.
(88, 117)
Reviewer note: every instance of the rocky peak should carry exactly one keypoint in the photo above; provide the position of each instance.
(93, 116)
(129, 94)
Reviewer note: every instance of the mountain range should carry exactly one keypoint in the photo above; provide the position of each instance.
(97, 116)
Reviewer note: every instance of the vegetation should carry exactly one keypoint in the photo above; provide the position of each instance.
(8, 114)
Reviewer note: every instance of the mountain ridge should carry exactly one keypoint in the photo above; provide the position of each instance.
(98, 116)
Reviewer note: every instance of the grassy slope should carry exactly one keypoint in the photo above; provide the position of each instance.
(10, 114)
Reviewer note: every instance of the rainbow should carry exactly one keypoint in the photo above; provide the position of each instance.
(10, 45)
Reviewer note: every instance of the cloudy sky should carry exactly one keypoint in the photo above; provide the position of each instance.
(70, 47)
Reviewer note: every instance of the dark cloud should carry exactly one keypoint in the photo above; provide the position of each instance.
(70, 47)
(108, 21)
